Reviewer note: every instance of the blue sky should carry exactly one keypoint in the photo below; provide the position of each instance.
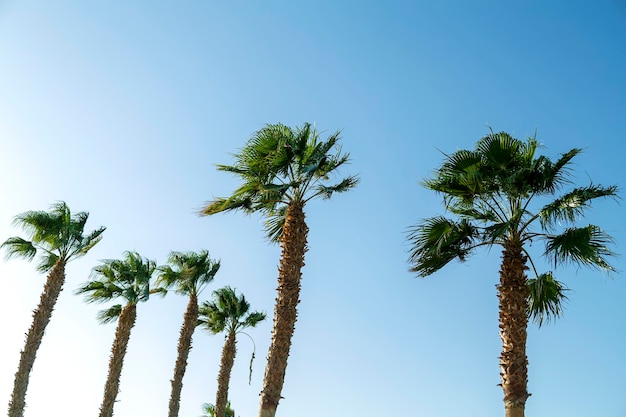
(123, 110)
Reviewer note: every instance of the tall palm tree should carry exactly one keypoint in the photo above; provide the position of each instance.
(128, 279)
(58, 237)
(188, 273)
(281, 170)
(227, 313)
(493, 192)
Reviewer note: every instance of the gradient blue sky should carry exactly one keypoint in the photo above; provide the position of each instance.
(122, 109)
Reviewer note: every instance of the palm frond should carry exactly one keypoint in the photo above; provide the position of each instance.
(254, 318)
(327, 191)
(437, 241)
(473, 213)
(500, 150)
(99, 291)
(89, 241)
(588, 246)
(555, 175)
(546, 298)
(496, 232)
(19, 247)
(42, 227)
(47, 261)
(110, 314)
(571, 206)
(274, 223)
(460, 177)
(220, 205)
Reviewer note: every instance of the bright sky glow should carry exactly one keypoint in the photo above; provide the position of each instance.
(123, 109)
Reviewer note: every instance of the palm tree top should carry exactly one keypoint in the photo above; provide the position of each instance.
(280, 165)
(228, 311)
(493, 191)
(188, 272)
(57, 234)
(491, 188)
(127, 278)
(502, 165)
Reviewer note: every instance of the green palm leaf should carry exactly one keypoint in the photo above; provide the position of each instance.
(588, 246)
(546, 299)
(571, 206)
(437, 241)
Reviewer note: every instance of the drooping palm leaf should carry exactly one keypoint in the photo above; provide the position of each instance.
(587, 246)
(437, 241)
(546, 299)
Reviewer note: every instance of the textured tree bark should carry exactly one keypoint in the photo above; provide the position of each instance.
(293, 246)
(513, 297)
(125, 324)
(513, 411)
(228, 359)
(41, 318)
(184, 346)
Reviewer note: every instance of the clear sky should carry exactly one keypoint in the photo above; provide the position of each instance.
(123, 109)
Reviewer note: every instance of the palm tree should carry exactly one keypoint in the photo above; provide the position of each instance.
(493, 190)
(227, 312)
(129, 279)
(282, 169)
(58, 237)
(209, 410)
(188, 273)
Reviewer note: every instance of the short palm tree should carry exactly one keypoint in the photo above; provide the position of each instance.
(188, 273)
(281, 170)
(58, 237)
(493, 192)
(208, 410)
(128, 279)
(227, 313)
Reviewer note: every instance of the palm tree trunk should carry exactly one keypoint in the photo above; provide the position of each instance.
(41, 318)
(293, 246)
(513, 296)
(184, 346)
(125, 324)
(228, 358)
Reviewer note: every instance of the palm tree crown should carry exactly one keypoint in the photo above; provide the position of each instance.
(491, 190)
(228, 313)
(280, 166)
(127, 278)
(55, 234)
(188, 273)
